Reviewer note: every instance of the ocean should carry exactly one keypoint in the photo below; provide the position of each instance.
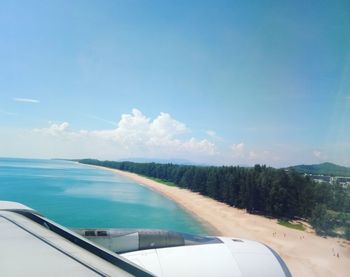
(79, 196)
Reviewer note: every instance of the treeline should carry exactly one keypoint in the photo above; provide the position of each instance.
(260, 189)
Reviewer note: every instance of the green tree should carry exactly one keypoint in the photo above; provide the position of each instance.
(347, 231)
(322, 220)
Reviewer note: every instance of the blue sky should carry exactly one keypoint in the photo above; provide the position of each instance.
(222, 82)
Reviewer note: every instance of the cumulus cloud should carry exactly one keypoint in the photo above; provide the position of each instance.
(202, 146)
(54, 129)
(25, 100)
(138, 135)
(165, 126)
(242, 154)
(137, 128)
(238, 149)
(252, 155)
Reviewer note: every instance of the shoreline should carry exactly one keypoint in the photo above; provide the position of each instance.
(207, 226)
(305, 253)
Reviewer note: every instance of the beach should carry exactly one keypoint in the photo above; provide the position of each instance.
(305, 253)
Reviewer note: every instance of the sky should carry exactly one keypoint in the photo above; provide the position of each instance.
(211, 82)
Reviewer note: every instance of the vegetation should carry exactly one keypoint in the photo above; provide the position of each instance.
(286, 223)
(162, 181)
(265, 190)
(347, 232)
(329, 169)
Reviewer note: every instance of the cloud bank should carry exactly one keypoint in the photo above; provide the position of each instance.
(135, 136)
(163, 137)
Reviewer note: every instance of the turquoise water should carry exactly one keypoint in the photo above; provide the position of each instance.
(76, 195)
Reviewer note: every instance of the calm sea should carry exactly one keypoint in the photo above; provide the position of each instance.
(76, 195)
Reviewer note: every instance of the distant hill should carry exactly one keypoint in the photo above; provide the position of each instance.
(323, 168)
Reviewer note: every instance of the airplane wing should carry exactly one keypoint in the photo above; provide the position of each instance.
(32, 245)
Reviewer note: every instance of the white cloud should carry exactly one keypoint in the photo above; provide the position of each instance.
(137, 128)
(253, 155)
(161, 138)
(238, 149)
(241, 154)
(202, 146)
(165, 126)
(138, 135)
(54, 129)
(25, 100)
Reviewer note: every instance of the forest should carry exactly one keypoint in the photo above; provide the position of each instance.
(279, 193)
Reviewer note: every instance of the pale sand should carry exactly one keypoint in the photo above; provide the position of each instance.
(308, 256)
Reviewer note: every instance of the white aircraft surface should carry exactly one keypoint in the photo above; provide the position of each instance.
(32, 245)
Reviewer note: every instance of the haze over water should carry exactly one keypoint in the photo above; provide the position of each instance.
(75, 195)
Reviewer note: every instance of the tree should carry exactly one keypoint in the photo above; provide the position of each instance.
(347, 231)
(321, 220)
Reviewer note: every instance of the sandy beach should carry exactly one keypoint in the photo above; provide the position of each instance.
(305, 253)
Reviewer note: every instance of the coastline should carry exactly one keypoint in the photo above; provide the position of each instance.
(305, 253)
